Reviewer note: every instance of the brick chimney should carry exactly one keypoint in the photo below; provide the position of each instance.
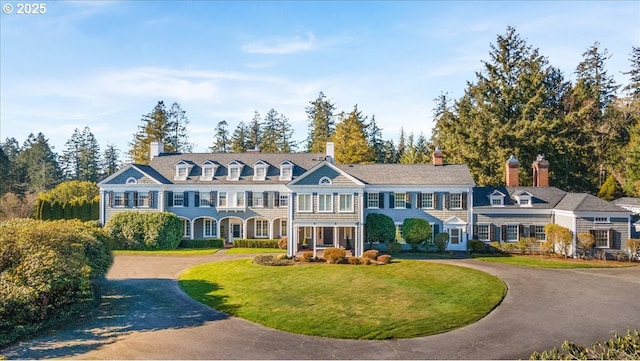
(437, 157)
(512, 167)
(541, 172)
(155, 148)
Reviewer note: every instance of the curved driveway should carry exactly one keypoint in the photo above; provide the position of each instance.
(144, 315)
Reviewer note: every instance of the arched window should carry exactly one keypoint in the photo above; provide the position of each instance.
(132, 180)
(325, 181)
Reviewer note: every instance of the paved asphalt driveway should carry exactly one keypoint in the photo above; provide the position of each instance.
(144, 315)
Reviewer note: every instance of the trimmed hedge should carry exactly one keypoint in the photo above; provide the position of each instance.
(50, 272)
(144, 230)
(255, 243)
(201, 243)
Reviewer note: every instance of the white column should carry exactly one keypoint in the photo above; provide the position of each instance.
(336, 241)
(313, 239)
(245, 229)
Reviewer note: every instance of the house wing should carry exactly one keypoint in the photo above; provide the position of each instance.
(136, 171)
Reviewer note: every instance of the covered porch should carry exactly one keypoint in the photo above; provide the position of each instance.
(317, 237)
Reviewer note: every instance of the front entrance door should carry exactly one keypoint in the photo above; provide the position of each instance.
(236, 232)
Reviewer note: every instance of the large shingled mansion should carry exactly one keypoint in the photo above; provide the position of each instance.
(312, 201)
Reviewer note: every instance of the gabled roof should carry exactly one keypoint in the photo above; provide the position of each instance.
(142, 169)
(541, 197)
(164, 164)
(630, 201)
(330, 166)
(584, 202)
(410, 174)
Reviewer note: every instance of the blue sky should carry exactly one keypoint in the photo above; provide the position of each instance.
(105, 64)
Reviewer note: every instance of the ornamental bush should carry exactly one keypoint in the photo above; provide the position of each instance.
(442, 241)
(371, 254)
(307, 256)
(617, 348)
(201, 243)
(144, 230)
(477, 246)
(394, 248)
(334, 255)
(283, 242)
(384, 259)
(634, 249)
(416, 231)
(50, 273)
(525, 244)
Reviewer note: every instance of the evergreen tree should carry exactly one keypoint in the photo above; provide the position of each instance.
(81, 156)
(11, 178)
(513, 107)
(5, 171)
(593, 72)
(39, 164)
(610, 190)
(286, 143)
(632, 164)
(239, 139)
(254, 136)
(221, 139)
(390, 152)
(270, 132)
(178, 122)
(168, 127)
(374, 136)
(402, 146)
(633, 88)
(321, 123)
(110, 161)
(350, 138)
(422, 149)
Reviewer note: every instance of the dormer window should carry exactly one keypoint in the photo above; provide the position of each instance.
(235, 169)
(182, 170)
(325, 181)
(208, 170)
(523, 198)
(260, 170)
(286, 170)
(497, 199)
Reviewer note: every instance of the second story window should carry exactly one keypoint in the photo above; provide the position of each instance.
(346, 202)
(426, 200)
(258, 199)
(178, 199)
(399, 200)
(373, 200)
(455, 201)
(222, 199)
(284, 201)
(305, 203)
(325, 203)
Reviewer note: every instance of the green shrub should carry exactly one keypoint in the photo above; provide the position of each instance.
(283, 242)
(617, 348)
(202, 243)
(442, 241)
(334, 255)
(416, 231)
(384, 259)
(255, 243)
(525, 244)
(477, 246)
(379, 228)
(145, 230)
(272, 260)
(50, 272)
(508, 247)
(394, 248)
(371, 254)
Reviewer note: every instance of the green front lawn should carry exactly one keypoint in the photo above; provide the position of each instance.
(238, 250)
(172, 252)
(547, 262)
(399, 300)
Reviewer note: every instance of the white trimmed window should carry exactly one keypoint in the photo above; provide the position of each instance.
(178, 199)
(305, 203)
(284, 201)
(373, 200)
(118, 199)
(182, 171)
(239, 201)
(601, 220)
(234, 172)
(454, 235)
(260, 172)
(346, 203)
(483, 232)
(207, 172)
(455, 201)
(209, 228)
(427, 200)
(602, 238)
(325, 202)
(262, 228)
(537, 232)
(497, 201)
(258, 199)
(132, 180)
(399, 236)
(286, 172)
(325, 181)
(204, 199)
(222, 199)
(143, 200)
(511, 232)
(283, 227)
(399, 200)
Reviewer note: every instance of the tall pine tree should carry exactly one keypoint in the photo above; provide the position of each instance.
(220, 139)
(350, 138)
(239, 139)
(321, 123)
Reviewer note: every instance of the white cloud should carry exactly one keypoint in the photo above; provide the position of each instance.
(282, 46)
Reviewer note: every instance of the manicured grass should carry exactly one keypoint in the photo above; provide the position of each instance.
(547, 262)
(173, 252)
(238, 250)
(399, 300)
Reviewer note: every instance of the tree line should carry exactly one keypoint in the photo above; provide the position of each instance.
(517, 104)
